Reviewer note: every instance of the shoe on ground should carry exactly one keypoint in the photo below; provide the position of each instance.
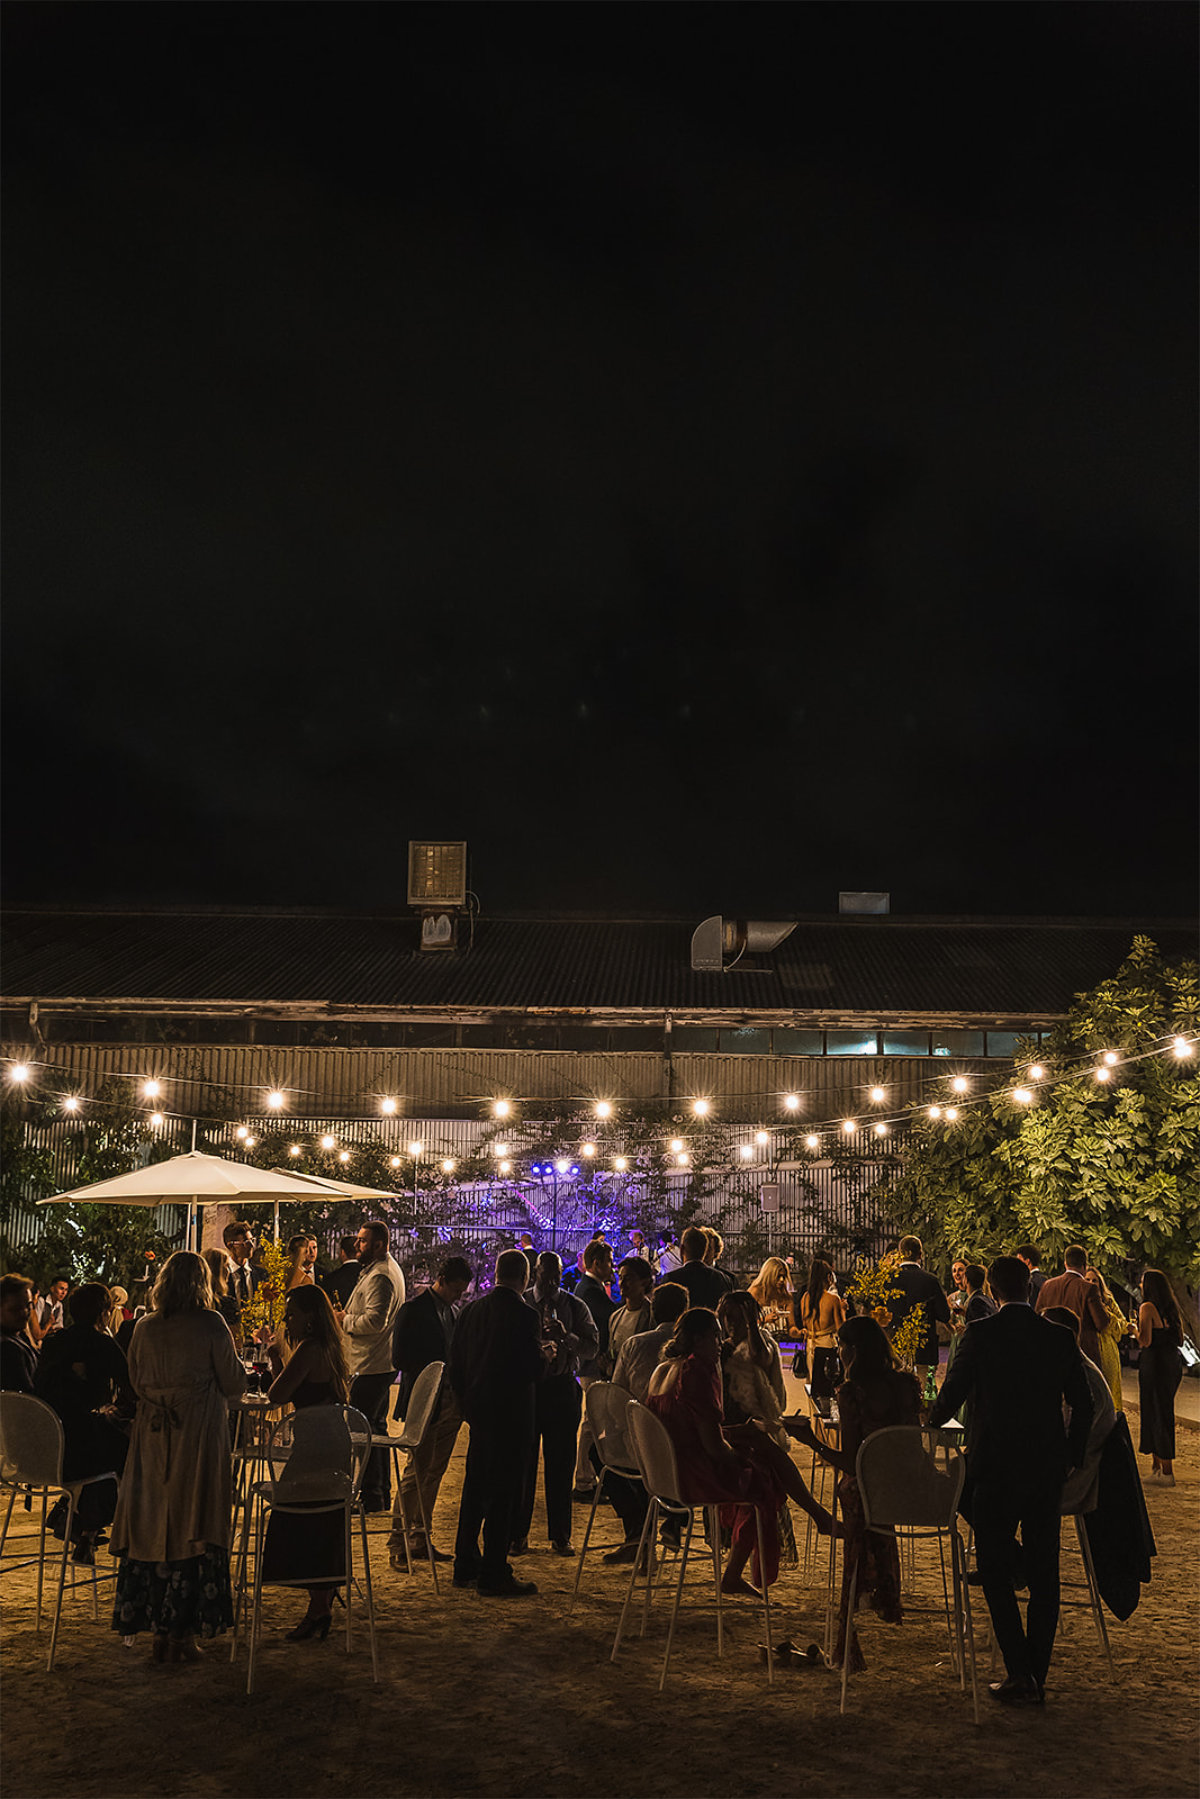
(397, 1562)
(506, 1589)
(84, 1553)
(421, 1552)
(583, 1495)
(1017, 1690)
(626, 1553)
(519, 1546)
(562, 1546)
(464, 1579)
(1156, 1478)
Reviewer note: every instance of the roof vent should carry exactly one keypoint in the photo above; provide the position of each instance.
(437, 874)
(868, 903)
(720, 942)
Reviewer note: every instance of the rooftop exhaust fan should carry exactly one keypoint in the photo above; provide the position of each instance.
(720, 942)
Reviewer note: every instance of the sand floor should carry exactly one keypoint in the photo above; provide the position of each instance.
(485, 1697)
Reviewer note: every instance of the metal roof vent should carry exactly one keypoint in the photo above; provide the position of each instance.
(720, 942)
(874, 904)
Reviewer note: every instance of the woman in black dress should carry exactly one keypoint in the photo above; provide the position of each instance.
(84, 1377)
(314, 1374)
(1160, 1370)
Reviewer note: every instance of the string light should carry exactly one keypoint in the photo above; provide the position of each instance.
(621, 1164)
(952, 1114)
(151, 1089)
(1103, 1073)
(603, 1109)
(1023, 1096)
(881, 1130)
(506, 1167)
(700, 1107)
(70, 1104)
(812, 1141)
(275, 1100)
(328, 1142)
(19, 1072)
(1037, 1072)
(343, 1155)
(499, 1149)
(675, 1145)
(849, 1126)
(414, 1149)
(1111, 1058)
(388, 1107)
(394, 1161)
(1182, 1047)
(762, 1138)
(448, 1165)
(792, 1102)
(294, 1149)
(587, 1149)
(242, 1133)
(501, 1109)
(747, 1150)
(157, 1120)
(562, 1167)
(878, 1095)
(682, 1160)
(960, 1083)
(935, 1111)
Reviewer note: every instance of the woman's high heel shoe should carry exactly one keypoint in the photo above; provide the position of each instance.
(311, 1626)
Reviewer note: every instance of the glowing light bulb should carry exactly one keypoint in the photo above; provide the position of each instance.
(881, 1130)
(294, 1149)
(700, 1107)
(501, 1109)
(621, 1164)
(343, 1155)
(388, 1107)
(849, 1126)
(1111, 1057)
(250, 1141)
(675, 1145)
(506, 1167)
(935, 1111)
(1103, 1073)
(328, 1142)
(448, 1165)
(682, 1160)
(603, 1109)
(792, 1102)
(19, 1072)
(414, 1149)
(275, 1100)
(393, 1161)
(1182, 1047)
(562, 1166)
(812, 1142)
(241, 1133)
(762, 1138)
(878, 1095)
(156, 1119)
(960, 1083)
(151, 1089)
(499, 1149)
(1037, 1072)
(587, 1149)
(70, 1104)
(952, 1114)
(1022, 1096)
(746, 1151)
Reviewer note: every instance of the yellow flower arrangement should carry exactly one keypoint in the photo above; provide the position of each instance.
(872, 1290)
(264, 1309)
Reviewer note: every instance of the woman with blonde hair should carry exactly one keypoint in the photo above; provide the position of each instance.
(172, 1526)
(1110, 1337)
(223, 1298)
(772, 1288)
(118, 1300)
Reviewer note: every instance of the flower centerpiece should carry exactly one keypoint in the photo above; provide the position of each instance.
(262, 1314)
(872, 1290)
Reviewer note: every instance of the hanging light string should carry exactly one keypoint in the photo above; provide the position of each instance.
(1035, 1079)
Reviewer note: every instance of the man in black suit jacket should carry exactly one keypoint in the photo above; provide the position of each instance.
(423, 1333)
(496, 1359)
(1016, 1369)
(920, 1292)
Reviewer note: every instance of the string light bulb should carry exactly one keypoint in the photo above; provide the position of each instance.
(151, 1089)
(19, 1072)
(682, 1160)
(792, 1101)
(1111, 1058)
(328, 1142)
(275, 1100)
(506, 1167)
(762, 1138)
(393, 1161)
(157, 1120)
(675, 1145)
(448, 1165)
(935, 1111)
(881, 1130)
(621, 1164)
(1037, 1072)
(587, 1149)
(388, 1107)
(812, 1141)
(603, 1109)
(501, 1109)
(241, 1133)
(849, 1126)
(499, 1149)
(1103, 1073)
(960, 1083)
(343, 1156)
(562, 1166)
(952, 1114)
(414, 1149)
(1182, 1047)
(294, 1149)
(878, 1095)
(747, 1150)
(70, 1104)
(701, 1108)
(1022, 1096)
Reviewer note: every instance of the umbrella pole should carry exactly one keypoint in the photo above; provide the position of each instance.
(191, 1222)
(276, 1221)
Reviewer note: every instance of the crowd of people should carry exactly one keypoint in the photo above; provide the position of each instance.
(143, 1391)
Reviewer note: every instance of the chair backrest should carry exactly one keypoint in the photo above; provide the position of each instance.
(607, 1409)
(655, 1454)
(31, 1436)
(899, 1482)
(422, 1402)
(313, 1456)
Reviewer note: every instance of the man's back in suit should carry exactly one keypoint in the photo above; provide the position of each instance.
(418, 1338)
(1070, 1289)
(496, 1357)
(921, 1292)
(1016, 1369)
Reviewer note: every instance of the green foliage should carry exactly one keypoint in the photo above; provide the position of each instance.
(1114, 1166)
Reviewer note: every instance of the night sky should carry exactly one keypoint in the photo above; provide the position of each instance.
(707, 457)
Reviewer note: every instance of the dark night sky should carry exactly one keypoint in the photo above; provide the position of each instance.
(705, 456)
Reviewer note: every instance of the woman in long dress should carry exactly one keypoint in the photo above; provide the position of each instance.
(1110, 1337)
(172, 1526)
(1160, 1370)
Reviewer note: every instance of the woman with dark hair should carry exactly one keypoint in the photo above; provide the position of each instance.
(172, 1525)
(739, 1469)
(82, 1376)
(874, 1396)
(822, 1313)
(316, 1373)
(751, 1369)
(303, 1253)
(979, 1304)
(223, 1300)
(1160, 1370)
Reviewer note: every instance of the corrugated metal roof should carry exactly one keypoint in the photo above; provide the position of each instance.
(868, 966)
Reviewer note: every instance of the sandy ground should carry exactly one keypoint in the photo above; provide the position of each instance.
(485, 1697)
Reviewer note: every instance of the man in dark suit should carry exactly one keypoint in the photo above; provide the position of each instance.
(341, 1281)
(706, 1286)
(244, 1277)
(568, 1333)
(496, 1360)
(920, 1292)
(1016, 1369)
(423, 1333)
(1070, 1289)
(1031, 1255)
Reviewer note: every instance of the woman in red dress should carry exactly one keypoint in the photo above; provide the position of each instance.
(739, 1468)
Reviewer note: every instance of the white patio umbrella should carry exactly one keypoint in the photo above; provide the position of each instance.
(322, 1183)
(199, 1180)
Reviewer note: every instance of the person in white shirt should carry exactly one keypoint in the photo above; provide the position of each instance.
(49, 1313)
(670, 1256)
(367, 1321)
